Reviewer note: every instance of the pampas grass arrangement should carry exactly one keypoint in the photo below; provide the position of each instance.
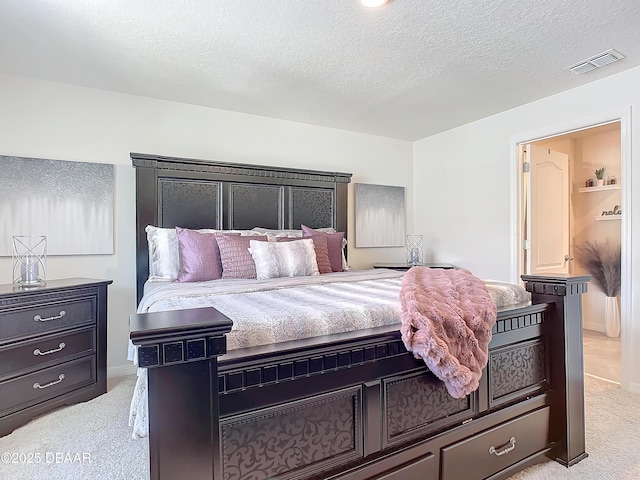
(603, 262)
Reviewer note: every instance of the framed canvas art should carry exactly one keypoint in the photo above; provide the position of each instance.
(71, 203)
(380, 215)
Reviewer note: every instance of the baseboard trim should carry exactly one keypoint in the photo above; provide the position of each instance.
(121, 371)
(601, 378)
(634, 387)
(598, 327)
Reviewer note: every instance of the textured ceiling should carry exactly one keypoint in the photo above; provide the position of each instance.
(407, 70)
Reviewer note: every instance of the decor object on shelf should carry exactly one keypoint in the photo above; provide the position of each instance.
(612, 180)
(589, 183)
(415, 255)
(603, 261)
(614, 211)
(380, 215)
(599, 176)
(29, 260)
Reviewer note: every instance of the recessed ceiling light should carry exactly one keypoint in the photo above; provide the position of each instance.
(373, 3)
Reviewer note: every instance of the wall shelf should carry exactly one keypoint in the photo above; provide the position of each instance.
(608, 217)
(599, 189)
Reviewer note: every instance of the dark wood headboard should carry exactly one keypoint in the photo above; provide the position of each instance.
(193, 193)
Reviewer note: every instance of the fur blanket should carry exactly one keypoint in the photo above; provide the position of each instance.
(447, 316)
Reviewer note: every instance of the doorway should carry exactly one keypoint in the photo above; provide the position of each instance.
(561, 212)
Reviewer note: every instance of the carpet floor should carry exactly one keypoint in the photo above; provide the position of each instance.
(87, 441)
(93, 441)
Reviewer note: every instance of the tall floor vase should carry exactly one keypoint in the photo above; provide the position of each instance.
(611, 317)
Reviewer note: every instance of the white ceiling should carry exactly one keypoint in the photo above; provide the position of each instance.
(407, 70)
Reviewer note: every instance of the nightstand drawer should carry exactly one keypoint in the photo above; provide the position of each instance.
(33, 320)
(47, 350)
(44, 384)
(495, 449)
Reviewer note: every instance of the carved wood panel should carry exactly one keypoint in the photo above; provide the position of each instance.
(312, 207)
(419, 404)
(284, 441)
(255, 206)
(516, 371)
(189, 204)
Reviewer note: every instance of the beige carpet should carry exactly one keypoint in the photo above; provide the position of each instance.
(92, 441)
(613, 438)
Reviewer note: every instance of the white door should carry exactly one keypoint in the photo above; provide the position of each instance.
(548, 212)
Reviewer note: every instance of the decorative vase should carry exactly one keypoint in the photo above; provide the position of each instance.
(29, 260)
(611, 317)
(415, 254)
(600, 182)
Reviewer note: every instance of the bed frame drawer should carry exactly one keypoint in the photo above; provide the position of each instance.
(46, 351)
(424, 468)
(34, 320)
(495, 449)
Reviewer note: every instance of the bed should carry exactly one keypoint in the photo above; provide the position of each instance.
(352, 404)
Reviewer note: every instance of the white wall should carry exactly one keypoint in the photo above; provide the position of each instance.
(465, 185)
(49, 120)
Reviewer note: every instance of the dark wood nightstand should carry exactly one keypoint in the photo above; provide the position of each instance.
(53, 347)
(406, 266)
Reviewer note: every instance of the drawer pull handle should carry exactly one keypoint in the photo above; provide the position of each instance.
(505, 449)
(60, 378)
(37, 351)
(38, 318)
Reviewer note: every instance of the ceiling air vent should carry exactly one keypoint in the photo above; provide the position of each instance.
(597, 61)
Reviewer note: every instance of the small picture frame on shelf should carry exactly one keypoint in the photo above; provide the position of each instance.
(612, 180)
(589, 183)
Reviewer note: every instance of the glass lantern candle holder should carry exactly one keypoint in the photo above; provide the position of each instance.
(29, 260)
(415, 254)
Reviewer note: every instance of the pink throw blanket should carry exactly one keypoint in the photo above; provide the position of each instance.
(447, 316)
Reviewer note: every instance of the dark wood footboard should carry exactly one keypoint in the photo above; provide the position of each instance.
(358, 406)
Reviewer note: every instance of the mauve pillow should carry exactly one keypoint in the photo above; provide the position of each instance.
(321, 249)
(334, 246)
(199, 256)
(164, 257)
(235, 257)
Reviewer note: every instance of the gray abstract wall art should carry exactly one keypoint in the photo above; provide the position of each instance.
(69, 202)
(380, 215)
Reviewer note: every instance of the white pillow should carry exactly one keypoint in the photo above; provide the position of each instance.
(164, 256)
(269, 232)
(164, 259)
(273, 235)
(286, 259)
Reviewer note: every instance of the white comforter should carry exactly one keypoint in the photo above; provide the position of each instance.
(282, 309)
